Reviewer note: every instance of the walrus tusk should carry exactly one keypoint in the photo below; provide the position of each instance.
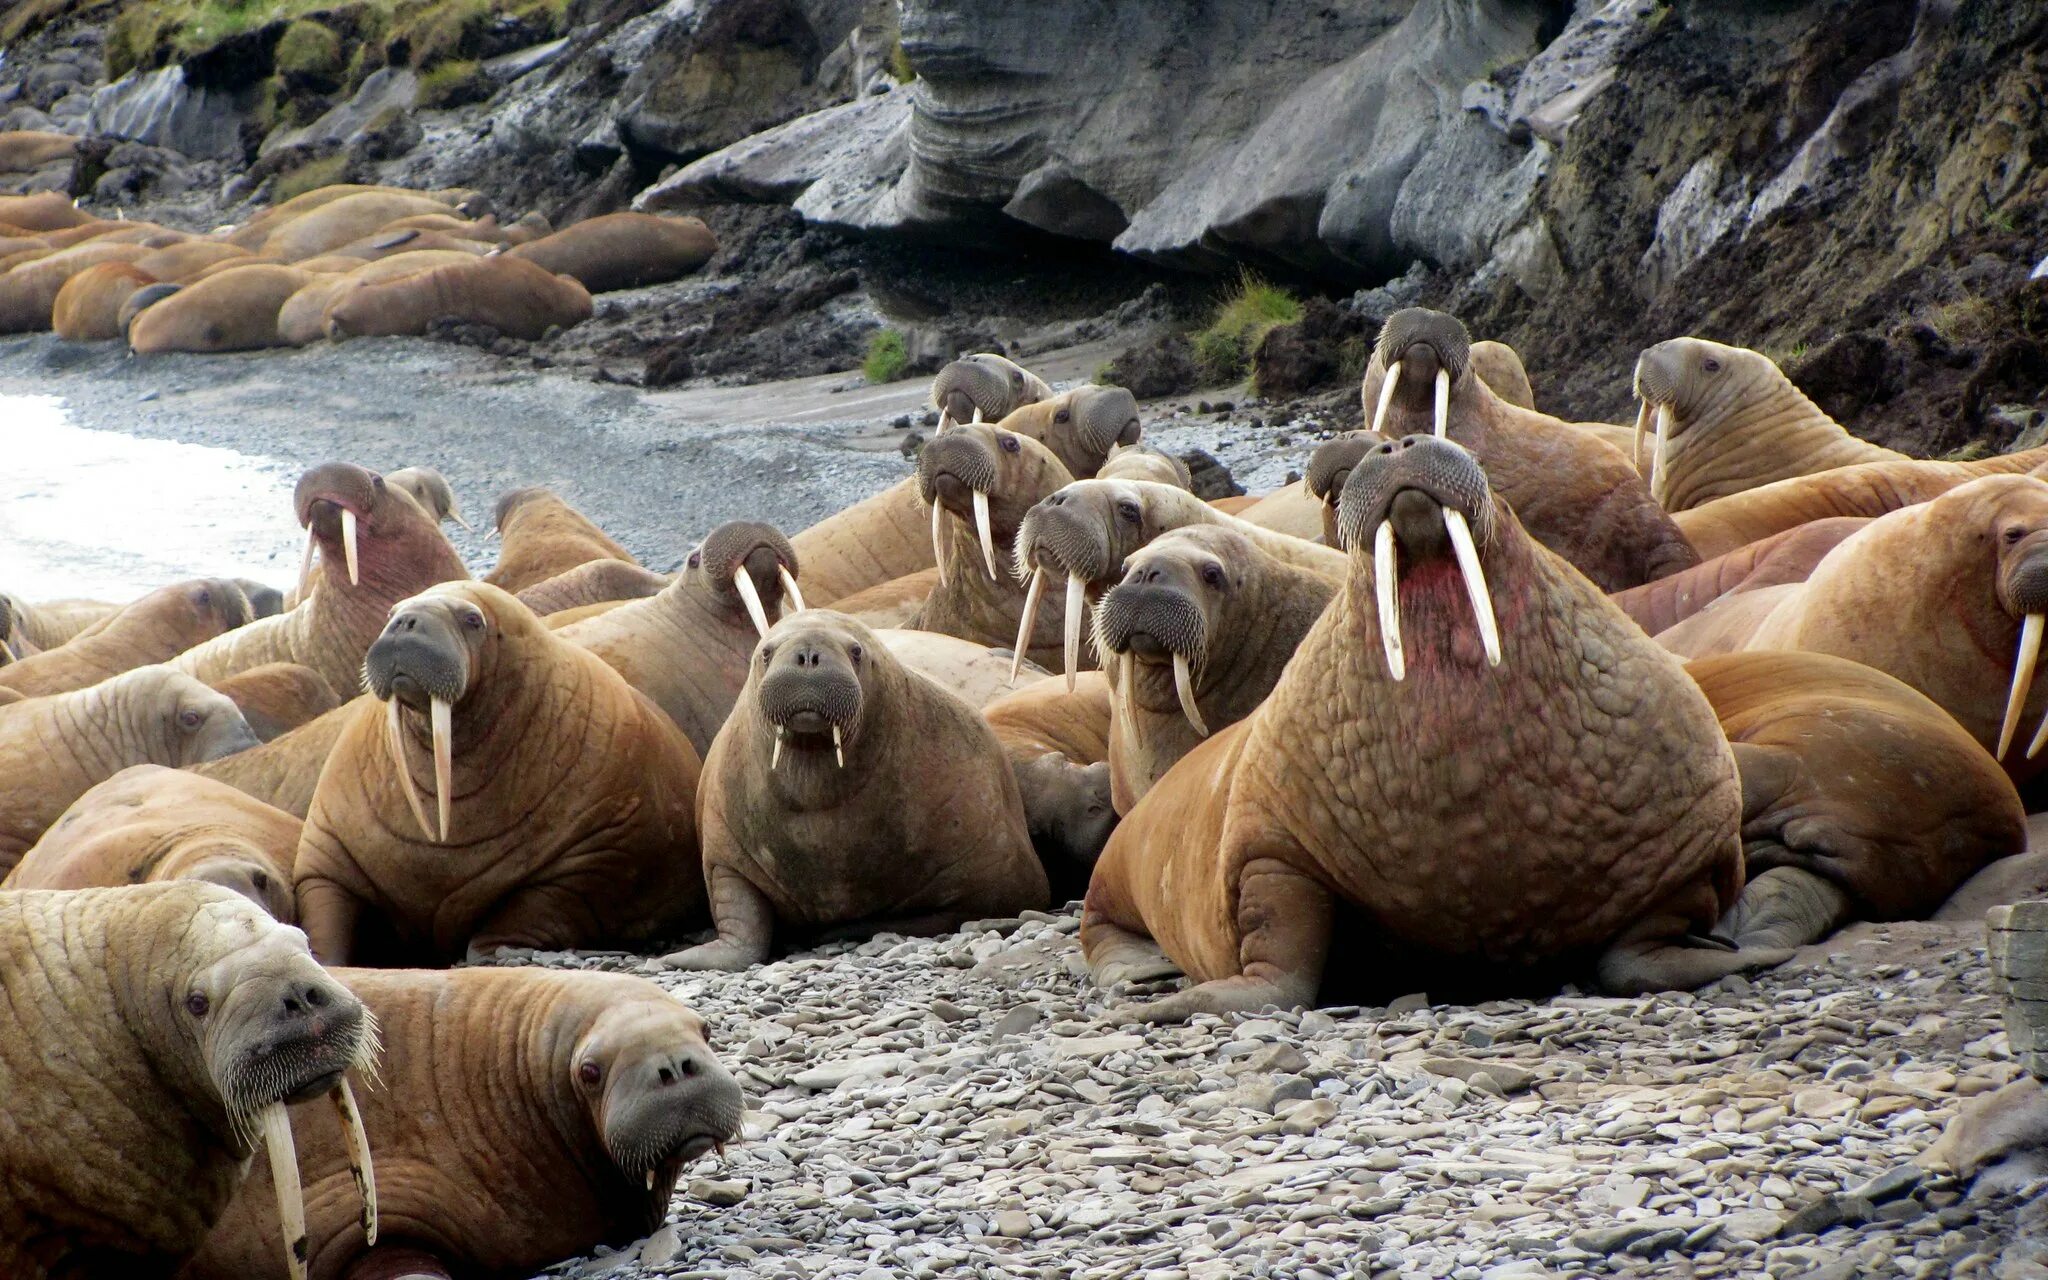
(1027, 621)
(938, 545)
(1077, 604)
(982, 530)
(775, 752)
(1443, 403)
(838, 747)
(977, 414)
(1642, 425)
(456, 516)
(1385, 588)
(276, 1123)
(412, 793)
(442, 713)
(359, 1166)
(945, 420)
(789, 587)
(348, 545)
(1126, 673)
(1658, 488)
(1475, 582)
(751, 598)
(2022, 681)
(1379, 413)
(1184, 685)
(306, 564)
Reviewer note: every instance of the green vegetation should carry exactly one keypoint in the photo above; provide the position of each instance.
(308, 49)
(1223, 351)
(1105, 374)
(417, 33)
(452, 84)
(309, 176)
(887, 357)
(2002, 219)
(1964, 321)
(899, 64)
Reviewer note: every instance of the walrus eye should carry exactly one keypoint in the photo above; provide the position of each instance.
(696, 559)
(1128, 510)
(260, 880)
(474, 621)
(1711, 365)
(1009, 443)
(2014, 535)
(856, 653)
(1212, 576)
(1064, 415)
(204, 599)
(189, 719)
(588, 1073)
(197, 1004)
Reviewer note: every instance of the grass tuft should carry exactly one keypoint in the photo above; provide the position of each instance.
(887, 357)
(1223, 351)
(310, 176)
(899, 65)
(452, 84)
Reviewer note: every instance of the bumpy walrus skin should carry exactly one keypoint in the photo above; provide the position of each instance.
(148, 823)
(847, 793)
(526, 1116)
(542, 536)
(49, 623)
(500, 787)
(188, 1019)
(54, 749)
(1768, 562)
(278, 697)
(1485, 778)
(156, 628)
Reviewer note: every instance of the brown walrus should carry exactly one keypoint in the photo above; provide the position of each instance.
(28, 292)
(27, 150)
(1861, 799)
(382, 244)
(894, 603)
(148, 823)
(622, 250)
(1194, 637)
(428, 487)
(186, 1021)
(1058, 746)
(1768, 562)
(43, 211)
(541, 536)
(1474, 760)
(984, 388)
(87, 307)
(156, 628)
(689, 646)
(1329, 467)
(376, 548)
(302, 319)
(278, 697)
(283, 772)
(54, 749)
(593, 582)
(501, 788)
(183, 262)
(1573, 492)
(1136, 462)
(977, 674)
(235, 310)
(513, 296)
(267, 222)
(1728, 419)
(337, 222)
(37, 627)
(526, 1117)
(847, 794)
(1500, 366)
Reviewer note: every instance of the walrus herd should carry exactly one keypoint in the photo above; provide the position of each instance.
(1520, 699)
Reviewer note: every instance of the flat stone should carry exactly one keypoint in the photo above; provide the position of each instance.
(722, 1193)
(833, 1074)
(1093, 1046)
(661, 1247)
(1622, 1237)
(1507, 1078)
(1014, 1224)
(1407, 1004)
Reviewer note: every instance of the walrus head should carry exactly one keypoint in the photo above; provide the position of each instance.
(1425, 353)
(1697, 391)
(811, 675)
(1330, 466)
(217, 604)
(264, 601)
(987, 477)
(10, 631)
(2014, 511)
(1420, 506)
(1169, 606)
(234, 864)
(984, 388)
(1136, 462)
(748, 565)
(356, 520)
(1080, 426)
(431, 490)
(181, 721)
(658, 1096)
(431, 655)
(142, 300)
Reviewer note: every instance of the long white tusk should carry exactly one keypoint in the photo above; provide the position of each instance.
(1379, 414)
(1475, 582)
(1642, 425)
(938, 544)
(1077, 604)
(306, 564)
(945, 421)
(1659, 488)
(442, 713)
(1385, 588)
(977, 414)
(1127, 676)
(751, 598)
(1032, 594)
(284, 1179)
(838, 747)
(1443, 403)
(348, 545)
(775, 752)
(359, 1166)
(986, 534)
(1184, 685)
(412, 794)
(789, 587)
(2022, 681)
(457, 518)
(491, 534)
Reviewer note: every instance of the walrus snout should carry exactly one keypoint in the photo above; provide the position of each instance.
(278, 1027)
(1063, 538)
(972, 391)
(954, 467)
(1658, 372)
(2023, 573)
(1445, 473)
(1107, 416)
(1153, 618)
(418, 659)
(325, 491)
(667, 1105)
(213, 729)
(809, 690)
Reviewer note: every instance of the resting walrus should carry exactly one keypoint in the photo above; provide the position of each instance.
(500, 788)
(322, 227)
(622, 250)
(1782, 558)
(1329, 467)
(1058, 746)
(542, 536)
(149, 823)
(28, 291)
(594, 582)
(236, 310)
(1474, 761)
(846, 791)
(88, 306)
(156, 628)
(149, 1036)
(514, 297)
(527, 1116)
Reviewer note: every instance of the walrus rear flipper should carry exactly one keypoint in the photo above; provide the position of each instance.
(1778, 912)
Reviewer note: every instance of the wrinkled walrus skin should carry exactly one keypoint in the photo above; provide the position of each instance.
(156, 628)
(543, 536)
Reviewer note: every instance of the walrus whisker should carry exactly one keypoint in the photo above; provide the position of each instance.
(983, 531)
(1184, 686)
(1642, 425)
(2022, 681)
(306, 564)
(1077, 604)
(412, 794)
(1442, 426)
(1029, 619)
(276, 1123)
(838, 746)
(359, 1166)
(751, 598)
(348, 545)
(1379, 413)
(442, 713)
(1475, 582)
(1384, 589)
(789, 587)
(938, 543)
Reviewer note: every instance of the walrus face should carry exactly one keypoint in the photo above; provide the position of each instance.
(264, 601)
(1424, 353)
(201, 724)
(336, 503)
(427, 660)
(985, 475)
(1082, 533)
(2017, 533)
(10, 626)
(1419, 502)
(1167, 607)
(1695, 389)
(1330, 466)
(748, 565)
(218, 604)
(657, 1095)
(973, 390)
(812, 673)
(429, 489)
(250, 876)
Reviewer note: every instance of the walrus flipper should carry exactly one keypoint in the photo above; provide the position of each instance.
(1285, 920)
(746, 923)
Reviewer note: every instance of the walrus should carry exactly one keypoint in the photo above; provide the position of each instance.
(43, 211)
(977, 674)
(284, 771)
(1728, 419)
(1330, 466)
(277, 697)
(183, 262)
(501, 787)
(622, 250)
(1058, 747)
(185, 1022)
(27, 150)
(156, 628)
(28, 292)
(302, 319)
(541, 536)
(431, 490)
(236, 310)
(846, 794)
(593, 582)
(267, 222)
(1194, 638)
(984, 388)
(1574, 493)
(1782, 558)
(511, 295)
(688, 647)
(336, 223)
(376, 547)
(484, 229)
(1474, 761)
(527, 1116)
(148, 824)
(1136, 462)
(1290, 509)
(1861, 799)
(894, 603)
(1500, 367)
(141, 299)
(980, 480)
(87, 307)
(55, 748)
(387, 242)
(38, 626)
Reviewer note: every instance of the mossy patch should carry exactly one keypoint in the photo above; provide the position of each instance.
(310, 176)
(887, 357)
(309, 50)
(452, 84)
(1252, 307)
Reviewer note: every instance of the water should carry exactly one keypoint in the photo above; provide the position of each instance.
(106, 516)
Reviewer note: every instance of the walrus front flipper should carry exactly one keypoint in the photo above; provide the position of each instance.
(1284, 919)
(746, 924)
(1786, 907)
(1771, 920)
(1118, 957)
